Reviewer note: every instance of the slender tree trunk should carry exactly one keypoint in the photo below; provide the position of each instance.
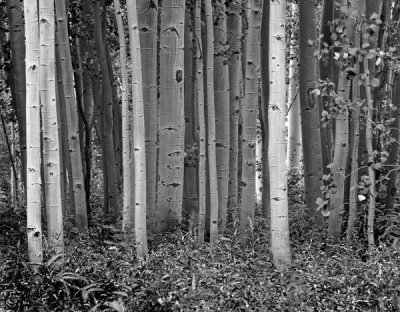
(17, 33)
(221, 78)
(171, 121)
(127, 215)
(148, 24)
(199, 86)
(309, 101)
(33, 176)
(74, 145)
(234, 31)
(107, 120)
(191, 179)
(276, 136)
(294, 124)
(253, 13)
(266, 209)
(211, 136)
(51, 144)
(138, 200)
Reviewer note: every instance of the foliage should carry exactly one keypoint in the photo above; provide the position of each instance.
(101, 273)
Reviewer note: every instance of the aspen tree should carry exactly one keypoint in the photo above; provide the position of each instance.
(276, 136)
(294, 124)
(354, 37)
(127, 216)
(211, 151)
(309, 102)
(171, 121)
(264, 110)
(74, 145)
(253, 13)
(148, 23)
(17, 45)
(191, 179)
(51, 144)
(33, 177)
(109, 161)
(199, 87)
(234, 32)
(221, 78)
(138, 200)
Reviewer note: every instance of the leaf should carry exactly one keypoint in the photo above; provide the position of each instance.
(325, 212)
(319, 201)
(361, 197)
(375, 82)
(117, 306)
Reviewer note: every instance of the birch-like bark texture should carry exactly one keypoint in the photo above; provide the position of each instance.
(33, 177)
(253, 13)
(51, 144)
(74, 145)
(354, 37)
(148, 23)
(199, 87)
(276, 136)
(17, 45)
(211, 136)
(127, 217)
(234, 32)
(191, 179)
(138, 202)
(171, 120)
(339, 163)
(109, 161)
(294, 125)
(309, 102)
(221, 80)
(371, 169)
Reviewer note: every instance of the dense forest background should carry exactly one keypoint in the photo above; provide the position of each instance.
(198, 155)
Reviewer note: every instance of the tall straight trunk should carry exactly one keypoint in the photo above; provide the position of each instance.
(190, 198)
(74, 145)
(309, 102)
(276, 136)
(266, 209)
(221, 78)
(33, 176)
(171, 120)
(107, 120)
(294, 124)
(199, 87)
(127, 216)
(148, 23)
(354, 36)
(51, 144)
(14, 174)
(17, 34)
(234, 32)
(394, 79)
(371, 169)
(339, 163)
(253, 13)
(138, 200)
(211, 136)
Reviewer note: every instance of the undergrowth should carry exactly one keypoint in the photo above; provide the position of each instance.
(100, 271)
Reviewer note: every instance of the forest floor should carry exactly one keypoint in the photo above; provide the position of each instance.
(101, 273)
